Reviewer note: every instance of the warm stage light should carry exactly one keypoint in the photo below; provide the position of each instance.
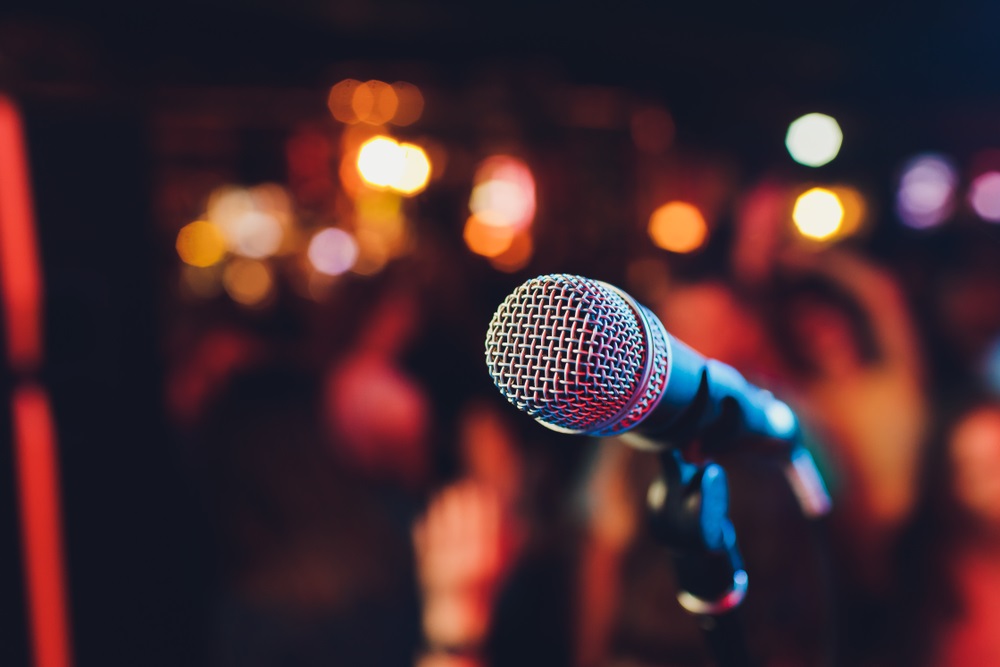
(341, 100)
(254, 234)
(374, 102)
(486, 239)
(504, 194)
(201, 243)
(416, 170)
(247, 281)
(517, 255)
(411, 103)
(678, 227)
(818, 214)
(385, 163)
(814, 139)
(855, 209)
(380, 161)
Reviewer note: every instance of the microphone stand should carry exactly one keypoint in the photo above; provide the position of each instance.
(689, 513)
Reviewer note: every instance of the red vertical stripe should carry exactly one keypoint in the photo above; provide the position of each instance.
(41, 526)
(35, 451)
(20, 274)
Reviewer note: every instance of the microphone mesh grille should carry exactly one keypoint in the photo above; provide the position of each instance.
(567, 350)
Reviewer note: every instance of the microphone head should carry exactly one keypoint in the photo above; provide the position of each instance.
(578, 355)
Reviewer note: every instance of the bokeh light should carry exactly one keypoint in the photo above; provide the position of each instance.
(249, 231)
(678, 227)
(504, 194)
(201, 243)
(385, 163)
(275, 201)
(411, 103)
(814, 139)
(926, 194)
(341, 100)
(416, 170)
(855, 209)
(380, 161)
(487, 239)
(254, 234)
(248, 281)
(374, 102)
(818, 214)
(332, 251)
(517, 255)
(984, 196)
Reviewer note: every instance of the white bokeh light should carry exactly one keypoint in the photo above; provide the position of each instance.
(814, 139)
(333, 251)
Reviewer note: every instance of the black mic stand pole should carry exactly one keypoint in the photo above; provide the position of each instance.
(689, 513)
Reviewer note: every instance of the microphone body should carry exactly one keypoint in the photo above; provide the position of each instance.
(583, 357)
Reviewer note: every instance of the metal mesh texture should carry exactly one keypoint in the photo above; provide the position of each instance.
(570, 352)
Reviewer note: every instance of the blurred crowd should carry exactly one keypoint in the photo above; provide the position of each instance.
(375, 502)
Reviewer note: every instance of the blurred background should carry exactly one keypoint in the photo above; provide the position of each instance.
(249, 253)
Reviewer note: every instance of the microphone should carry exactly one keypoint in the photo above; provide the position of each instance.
(583, 357)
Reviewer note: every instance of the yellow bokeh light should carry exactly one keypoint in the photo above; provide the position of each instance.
(201, 243)
(247, 281)
(416, 170)
(818, 214)
(380, 161)
(678, 227)
(374, 102)
(384, 163)
(814, 139)
(486, 239)
(855, 209)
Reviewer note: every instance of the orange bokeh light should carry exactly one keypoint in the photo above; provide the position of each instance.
(517, 255)
(201, 243)
(341, 98)
(678, 227)
(411, 103)
(486, 239)
(374, 102)
(247, 281)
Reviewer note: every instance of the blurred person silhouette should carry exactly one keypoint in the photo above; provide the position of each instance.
(491, 583)
(854, 372)
(949, 610)
(377, 412)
